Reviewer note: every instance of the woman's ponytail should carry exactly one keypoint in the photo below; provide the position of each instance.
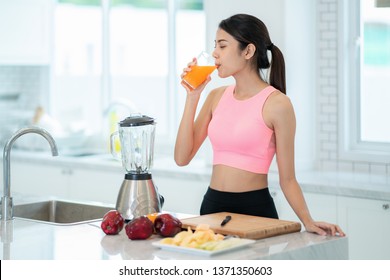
(277, 77)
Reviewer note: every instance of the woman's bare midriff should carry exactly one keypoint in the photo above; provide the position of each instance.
(230, 179)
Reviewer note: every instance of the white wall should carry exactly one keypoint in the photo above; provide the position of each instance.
(270, 12)
(291, 25)
(300, 56)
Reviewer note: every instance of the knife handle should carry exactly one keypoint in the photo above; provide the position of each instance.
(226, 220)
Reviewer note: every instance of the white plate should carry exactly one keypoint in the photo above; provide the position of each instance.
(243, 243)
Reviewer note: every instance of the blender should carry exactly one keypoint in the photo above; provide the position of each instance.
(138, 195)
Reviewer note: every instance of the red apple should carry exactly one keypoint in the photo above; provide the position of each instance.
(139, 228)
(112, 222)
(167, 225)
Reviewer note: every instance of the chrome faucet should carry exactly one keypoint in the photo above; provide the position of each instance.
(6, 200)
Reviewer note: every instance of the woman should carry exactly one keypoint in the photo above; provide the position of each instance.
(247, 123)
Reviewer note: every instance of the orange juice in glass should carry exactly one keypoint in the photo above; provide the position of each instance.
(199, 72)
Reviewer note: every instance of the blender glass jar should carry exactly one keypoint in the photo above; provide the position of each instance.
(136, 136)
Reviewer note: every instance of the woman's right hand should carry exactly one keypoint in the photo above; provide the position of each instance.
(190, 90)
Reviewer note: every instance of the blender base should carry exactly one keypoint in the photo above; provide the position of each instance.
(138, 196)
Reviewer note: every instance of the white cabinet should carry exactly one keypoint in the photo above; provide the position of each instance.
(367, 225)
(66, 182)
(181, 195)
(95, 185)
(322, 207)
(25, 28)
(99, 185)
(40, 180)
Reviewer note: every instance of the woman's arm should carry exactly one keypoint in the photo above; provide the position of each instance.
(281, 115)
(191, 134)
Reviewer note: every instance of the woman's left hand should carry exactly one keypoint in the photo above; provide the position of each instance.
(323, 228)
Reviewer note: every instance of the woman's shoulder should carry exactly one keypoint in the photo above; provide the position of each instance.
(215, 96)
(219, 90)
(278, 100)
(278, 105)
(217, 93)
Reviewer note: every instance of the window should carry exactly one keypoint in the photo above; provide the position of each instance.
(116, 57)
(365, 72)
(77, 73)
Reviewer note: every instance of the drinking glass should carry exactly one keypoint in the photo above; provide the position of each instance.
(199, 72)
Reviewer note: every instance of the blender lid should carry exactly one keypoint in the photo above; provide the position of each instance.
(136, 120)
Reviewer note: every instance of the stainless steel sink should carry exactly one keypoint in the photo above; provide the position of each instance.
(59, 212)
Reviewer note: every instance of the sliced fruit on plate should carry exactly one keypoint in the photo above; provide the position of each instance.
(202, 235)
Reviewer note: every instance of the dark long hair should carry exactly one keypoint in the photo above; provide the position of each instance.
(247, 29)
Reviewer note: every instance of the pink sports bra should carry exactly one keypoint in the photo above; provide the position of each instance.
(238, 134)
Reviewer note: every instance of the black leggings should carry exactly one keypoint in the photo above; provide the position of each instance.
(256, 203)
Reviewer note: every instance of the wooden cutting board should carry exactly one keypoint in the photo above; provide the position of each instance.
(245, 226)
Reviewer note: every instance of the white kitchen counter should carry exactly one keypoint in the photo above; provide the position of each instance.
(27, 240)
(341, 198)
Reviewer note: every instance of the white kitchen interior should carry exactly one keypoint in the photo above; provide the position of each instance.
(77, 67)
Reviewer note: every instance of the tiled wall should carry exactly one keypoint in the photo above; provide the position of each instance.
(327, 109)
(328, 95)
(30, 81)
(32, 85)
